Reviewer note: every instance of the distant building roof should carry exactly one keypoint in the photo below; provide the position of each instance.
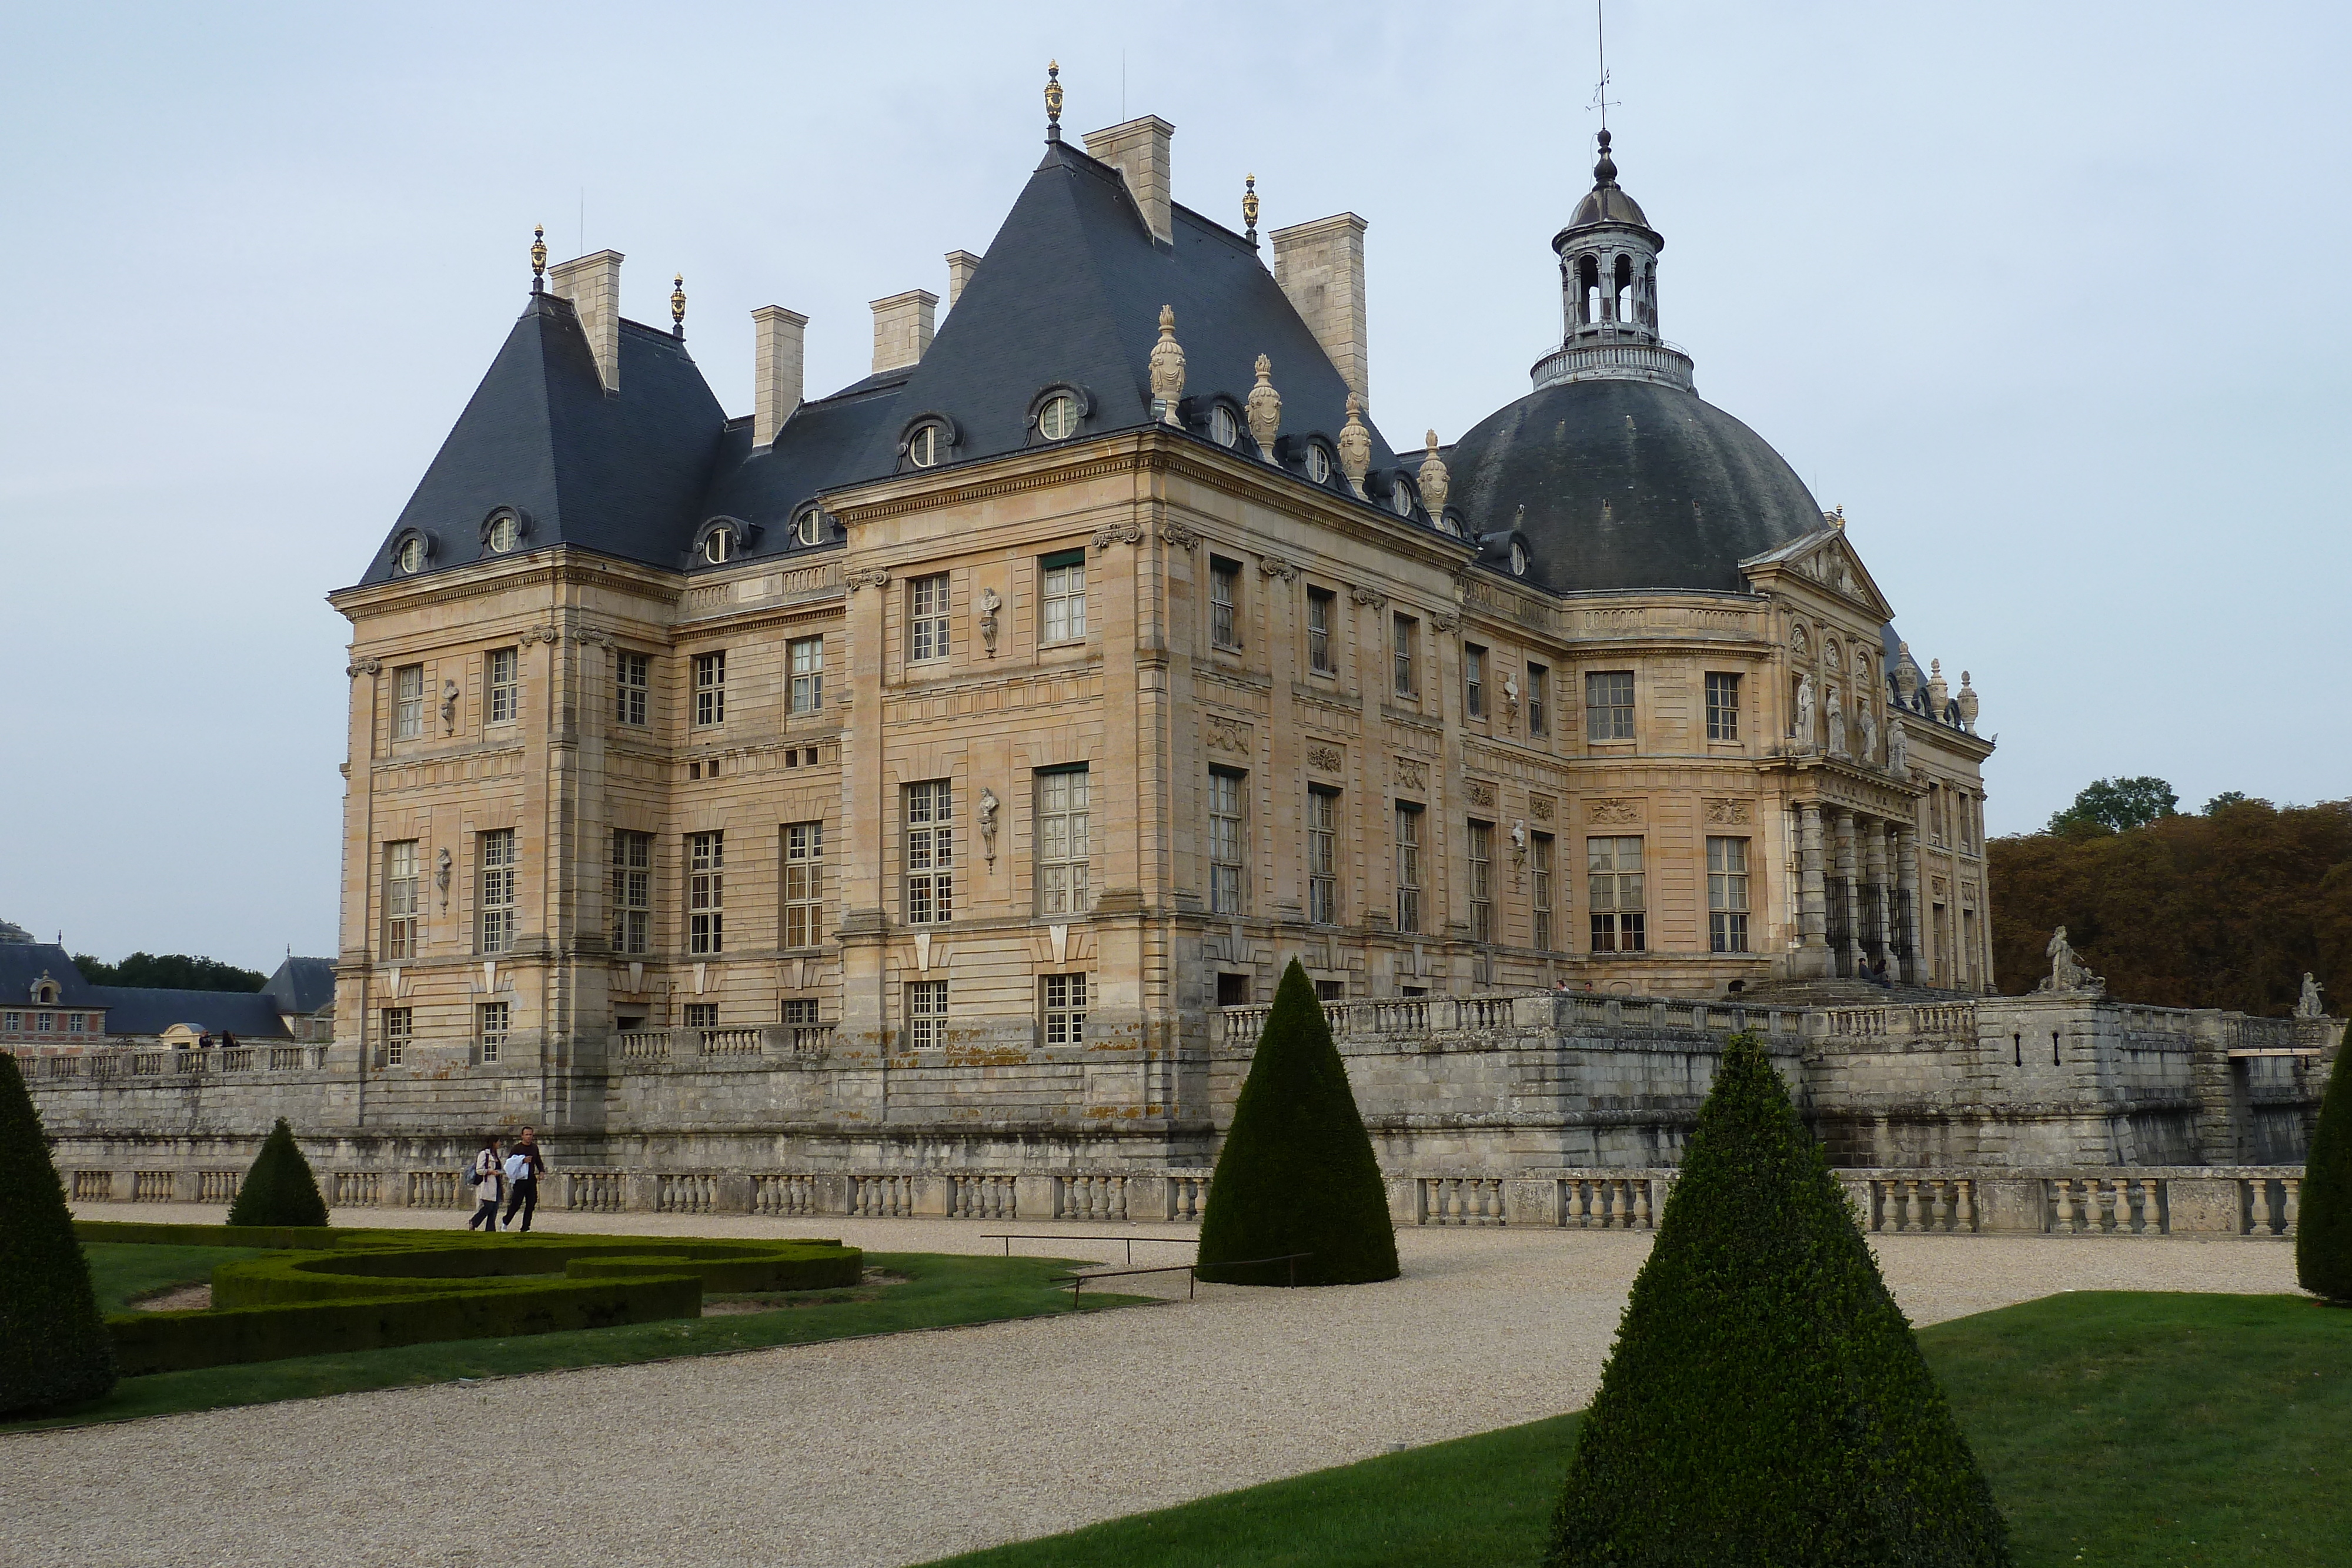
(302, 984)
(22, 965)
(139, 1009)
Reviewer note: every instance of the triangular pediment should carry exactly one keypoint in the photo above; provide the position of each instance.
(1827, 561)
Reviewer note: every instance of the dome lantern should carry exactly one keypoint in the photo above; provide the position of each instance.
(1608, 292)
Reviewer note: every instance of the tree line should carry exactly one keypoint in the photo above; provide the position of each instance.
(2224, 908)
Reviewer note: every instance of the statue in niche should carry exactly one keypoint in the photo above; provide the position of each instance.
(1898, 747)
(988, 806)
(441, 877)
(989, 605)
(1510, 700)
(448, 707)
(1869, 723)
(2310, 1007)
(2067, 972)
(1835, 714)
(1805, 711)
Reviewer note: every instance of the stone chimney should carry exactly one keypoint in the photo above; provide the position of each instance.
(593, 284)
(1138, 150)
(902, 328)
(1321, 265)
(962, 264)
(775, 368)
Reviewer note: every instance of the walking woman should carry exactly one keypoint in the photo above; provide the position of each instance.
(487, 1179)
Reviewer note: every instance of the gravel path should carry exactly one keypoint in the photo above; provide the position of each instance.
(900, 1449)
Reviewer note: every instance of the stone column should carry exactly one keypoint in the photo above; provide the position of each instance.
(1882, 884)
(1812, 948)
(1906, 882)
(1849, 876)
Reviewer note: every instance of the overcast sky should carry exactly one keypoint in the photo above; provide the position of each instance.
(2050, 298)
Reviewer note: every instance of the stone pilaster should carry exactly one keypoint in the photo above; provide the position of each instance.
(1812, 948)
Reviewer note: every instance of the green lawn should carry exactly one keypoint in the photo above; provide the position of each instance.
(938, 1292)
(2135, 1429)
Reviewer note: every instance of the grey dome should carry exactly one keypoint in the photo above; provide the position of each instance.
(1607, 204)
(1629, 484)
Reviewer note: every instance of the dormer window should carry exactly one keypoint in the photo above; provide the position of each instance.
(1518, 558)
(46, 992)
(411, 553)
(718, 546)
(1401, 497)
(923, 447)
(808, 526)
(1058, 419)
(502, 534)
(1318, 464)
(1450, 526)
(722, 540)
(1224, 428)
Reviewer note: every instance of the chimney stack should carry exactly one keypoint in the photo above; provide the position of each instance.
(1321, 265)
(962, 264)
(1138, 150)
(776, 339)
(902, 328)
(593, 284)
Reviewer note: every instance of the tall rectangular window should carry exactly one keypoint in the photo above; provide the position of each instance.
(926, 617)
(504, 689)
(706, 892)
(710, 688)
(1474, 680)
(1482, 881)
(1408, 867)
(1404, 639)
(1320, 603)
(399, 1028)
(1227, 838)
(1609, 705)
(490, 1027)
(930, 852)
(804, 883)
(1063, 1000)
(702, 1015)
(807, 654)
(409, 702)
(1540, 864)
(632, 891)
(927, 1014)
(1224, 600)
(1614, 895)
(400, 899)
(1538, 700)
(1323, 856)
(1062, 841)
(632, 675)
(1727, 895)
(495, 874)
(1722, 707)
(1062, 597)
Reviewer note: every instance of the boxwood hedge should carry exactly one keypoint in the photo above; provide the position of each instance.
(53, 1348)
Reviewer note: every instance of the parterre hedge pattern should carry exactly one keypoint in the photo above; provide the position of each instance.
(326, 1289)
(54, 1348)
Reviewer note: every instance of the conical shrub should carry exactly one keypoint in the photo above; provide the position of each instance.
(1297, 1174)
(54, 1347)
(1765, 1401)
(2323, 1235)
(279, 1189)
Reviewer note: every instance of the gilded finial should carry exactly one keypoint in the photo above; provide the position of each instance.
(539, 258)
(1249, 208)
(1053, 100)
(677, 306)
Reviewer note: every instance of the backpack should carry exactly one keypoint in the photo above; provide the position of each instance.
(473, 1170)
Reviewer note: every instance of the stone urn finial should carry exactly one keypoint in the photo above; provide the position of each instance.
(1264, 409)
(1906, 673)
(1968, 701)
(1434, 480)
(1355, 446)
(1939, 693)
(1166, 368)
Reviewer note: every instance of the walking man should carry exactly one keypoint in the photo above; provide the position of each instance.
(524, 1164)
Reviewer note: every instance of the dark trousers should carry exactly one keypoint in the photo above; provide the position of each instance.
(525, 1197)
(486, 1213)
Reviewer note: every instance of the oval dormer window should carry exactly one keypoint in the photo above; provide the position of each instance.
(808, 527)
(923, 447)
(1058, 419)
(1518, 558)
(1449, 525)
(1224, 428)
(410, 557)
(718, 546)
(1318, 464)
(503, 533)
(1400, 498)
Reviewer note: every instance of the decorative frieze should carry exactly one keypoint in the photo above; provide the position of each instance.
(1728, 814)
(548, 634)
(1479, 792)
(1411, 775)
(1373, 597)
(865, 577)
(1612, 812)
(1227, 733)
(1178, 536)
(1129, 532)
(1326, 759)
(1275, 566)
(1541, 808)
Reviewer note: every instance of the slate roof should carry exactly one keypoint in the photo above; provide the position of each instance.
(22, 964)
(1069, 291)
(301, 985)
(139, 1009)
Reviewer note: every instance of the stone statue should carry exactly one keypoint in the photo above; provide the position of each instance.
(1434, 480)
(1510, 699)
(2310, 1006)
(1898, 747)
(1265, 408)
(2067, 972)
(988, 806)
(1167, 367)
(1869, 721)
(1355, 446)
(1805, 712)
(441, 877)
(448, 707)
(1835, 716)
(989, 605)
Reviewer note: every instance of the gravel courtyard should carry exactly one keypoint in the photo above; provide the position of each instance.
(898, 1449)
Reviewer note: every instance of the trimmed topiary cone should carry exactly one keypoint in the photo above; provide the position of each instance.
(279, 1189)
(1297, 1172)
(2323, 1230)
(54, 1347)
(1765, 1401)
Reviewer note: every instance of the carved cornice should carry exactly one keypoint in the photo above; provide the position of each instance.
(1129, 532)
(591, 635)
(359, 667)
(1275, 566)
(1371, 596)
(532, 634)
(865, 577)
(1445, 620)
(1178, 536)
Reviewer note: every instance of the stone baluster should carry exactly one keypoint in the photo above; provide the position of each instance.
(2151, 1206)
(2062, 1192)
(1911, 1206)
(2293, 1186)
(1966, 1216)
(1641, 1212)
(2260, 1207)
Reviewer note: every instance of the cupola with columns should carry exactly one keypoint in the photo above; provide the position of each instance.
(1608, 292)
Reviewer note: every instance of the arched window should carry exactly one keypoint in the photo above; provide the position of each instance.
(1622, 297)
(1588, 290)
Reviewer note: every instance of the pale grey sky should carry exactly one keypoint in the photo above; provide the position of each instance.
(2050, 298)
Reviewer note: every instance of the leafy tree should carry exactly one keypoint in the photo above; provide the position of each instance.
(2115, 806)
(54, 1347)
(1765, 1401)
(170, 972)
(1297, 1172)
(2220, 910)
(2323, 1233)
(279, 1189)
(2227, 798)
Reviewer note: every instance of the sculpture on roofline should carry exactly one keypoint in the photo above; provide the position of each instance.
(1835, 714)
(1869, 721)
(1898, 747)
(2067, 972)
(2310, 1007)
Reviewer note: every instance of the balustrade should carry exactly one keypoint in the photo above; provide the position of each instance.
(1093, 1198)
(882, 1196)
(593, 1192)
(980, 1196)
(1931, 1205)
(364, 1189)
(286, 1058)
(1606, 1203)
(686, 1192)
(151, 1061)
(239, 1059)
(93, 1186)
(437, 1189)
(1462, 1200)
(1188, 1195)
(2106, 1205)
(2269, 1206)
(811, 1038)
(778, 1194)
(730, 1042)
(154, 1186)
(218, 1187)
(643, 1045)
